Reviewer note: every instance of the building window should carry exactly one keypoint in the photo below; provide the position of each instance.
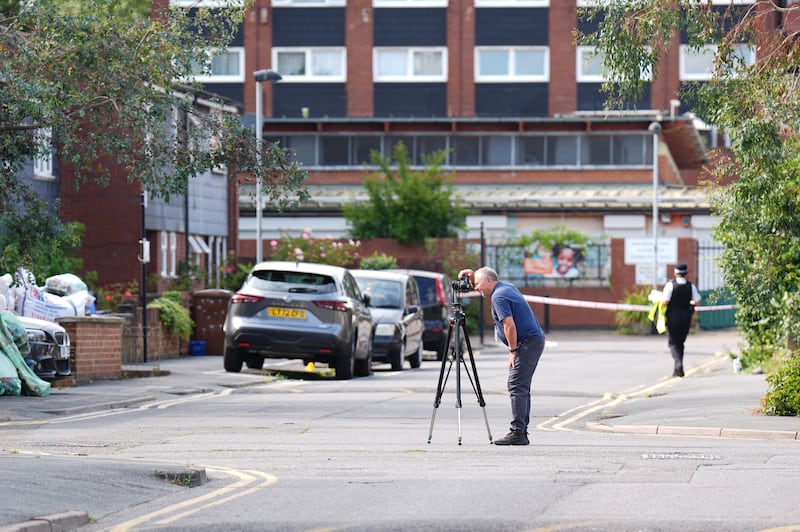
(503, 64)
(308, 3)
(173, 254)
(589, 66)
(411, 65)
(512, 3)
(409, 3)
(698, 65)
(223, 66)
(310, 64)
(43, 162)
(206, 3)
(465, 150)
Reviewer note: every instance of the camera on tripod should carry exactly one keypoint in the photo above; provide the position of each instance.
(463, 284)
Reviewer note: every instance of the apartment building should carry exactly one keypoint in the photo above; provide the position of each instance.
(500, 84)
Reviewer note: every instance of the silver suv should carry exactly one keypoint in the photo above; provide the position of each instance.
(299, 310)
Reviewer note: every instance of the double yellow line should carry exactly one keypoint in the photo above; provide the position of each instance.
(249, 482)
(571, 416)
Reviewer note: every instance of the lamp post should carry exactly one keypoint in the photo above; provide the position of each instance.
(270, 76)
(655, 129)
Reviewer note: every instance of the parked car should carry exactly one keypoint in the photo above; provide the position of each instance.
(397, 316)
(49, 348)
(436, 296)
(299, 310)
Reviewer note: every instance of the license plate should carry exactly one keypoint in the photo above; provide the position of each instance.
(294, 313)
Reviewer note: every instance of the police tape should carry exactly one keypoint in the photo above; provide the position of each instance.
(599, 304)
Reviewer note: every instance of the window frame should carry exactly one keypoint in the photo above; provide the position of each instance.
(685, 49)
(308, 3)
(43, 160)
(409, 3)
(512, 3)
(511, 76)
(309, 52)
(409, 77)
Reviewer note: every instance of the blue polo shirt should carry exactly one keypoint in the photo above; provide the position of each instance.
(507, 301)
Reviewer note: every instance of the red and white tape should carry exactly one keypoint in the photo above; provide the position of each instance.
(600, 304)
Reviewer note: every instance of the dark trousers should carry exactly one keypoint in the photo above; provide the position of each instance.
(678, 324)
(519, 382)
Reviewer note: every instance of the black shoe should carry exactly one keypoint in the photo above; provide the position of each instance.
(515, 437)
(678, 372)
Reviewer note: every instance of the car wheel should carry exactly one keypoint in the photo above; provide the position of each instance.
(397, 357)
(232, 360)
(416, 359)
(255, 362)
(363, 367)
(345, 362)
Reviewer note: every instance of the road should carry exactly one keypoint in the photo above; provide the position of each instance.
(317, 454)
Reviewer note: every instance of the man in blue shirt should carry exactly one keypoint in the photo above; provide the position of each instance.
(515, 326)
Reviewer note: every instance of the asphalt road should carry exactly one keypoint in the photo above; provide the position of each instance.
(615, 445)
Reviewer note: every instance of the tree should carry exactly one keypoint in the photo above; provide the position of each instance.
(406, 204)
(101, 78)
(756, 105)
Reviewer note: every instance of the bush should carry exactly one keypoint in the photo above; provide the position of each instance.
(378, 261)
(635, 321)
(174, 316)
(783, 397)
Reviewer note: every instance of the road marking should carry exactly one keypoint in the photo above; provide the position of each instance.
(161, 405)
(610, 399)
(208, 500)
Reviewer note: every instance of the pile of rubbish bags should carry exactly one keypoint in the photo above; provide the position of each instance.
(62, 295)
(16, 378)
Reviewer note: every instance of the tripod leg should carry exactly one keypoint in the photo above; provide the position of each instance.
(442, 381)
(476, 384)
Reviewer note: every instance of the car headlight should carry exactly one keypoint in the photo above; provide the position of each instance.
(385, 329)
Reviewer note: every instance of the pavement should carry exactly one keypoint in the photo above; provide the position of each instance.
(711, 401)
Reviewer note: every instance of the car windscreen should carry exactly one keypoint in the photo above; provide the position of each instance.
(292, 282)
(382, 293)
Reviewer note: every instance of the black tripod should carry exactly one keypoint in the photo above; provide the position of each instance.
(453, 352)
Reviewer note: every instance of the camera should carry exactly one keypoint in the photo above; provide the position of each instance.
(463, 284)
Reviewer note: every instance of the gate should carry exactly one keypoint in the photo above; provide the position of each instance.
(712, 288)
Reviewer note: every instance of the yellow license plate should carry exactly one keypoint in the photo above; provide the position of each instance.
(278, 312)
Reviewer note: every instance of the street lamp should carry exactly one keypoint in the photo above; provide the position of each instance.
(270, 76)
(655, 129)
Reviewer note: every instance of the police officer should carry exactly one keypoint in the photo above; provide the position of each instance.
(680, 297)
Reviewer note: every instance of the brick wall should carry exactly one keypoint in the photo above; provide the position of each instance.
(95, 347)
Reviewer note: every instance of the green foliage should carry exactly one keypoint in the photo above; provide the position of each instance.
(756, 106)
(634, 321)
(109, 297)
(174, 316)
(99, 76)
(33, 238)
(406, 204)
(309, 249)
(559, 235)
(378, 261)
(234, 273)
(783, 397)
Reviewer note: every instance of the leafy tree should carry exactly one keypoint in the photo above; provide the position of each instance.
(101, 77)
(406, 204)
(756, 105)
